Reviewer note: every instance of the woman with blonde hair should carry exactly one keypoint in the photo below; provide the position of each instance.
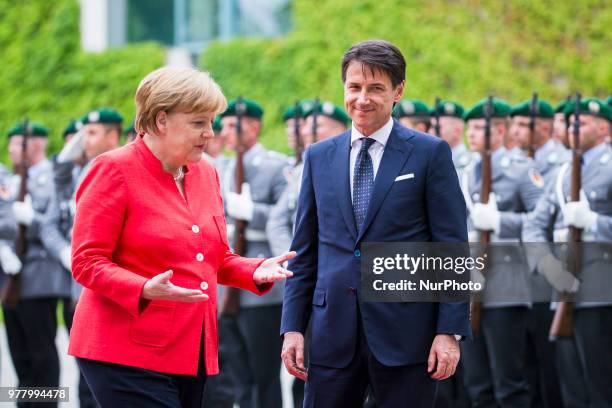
(150, 246)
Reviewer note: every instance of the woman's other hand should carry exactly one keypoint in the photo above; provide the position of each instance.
(159, 287)
(272, 270)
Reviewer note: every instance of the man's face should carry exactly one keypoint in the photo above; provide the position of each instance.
(99, 138)
(451, 129)
(250, 129)
(476, 135)
(36, 145)
(326, 128)
(369, 97)
(290, 130)
(521, 131)
(560, 128)
(215, 145)
(593, 131)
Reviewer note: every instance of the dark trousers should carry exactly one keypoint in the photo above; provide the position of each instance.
(86, 398)
(259, 329)
(593, 333)
(401, 386)
(220, 389)
(571, 377)
(31, 327)
(494, 360)
(115, 385)
(541, 368)
(452, 392)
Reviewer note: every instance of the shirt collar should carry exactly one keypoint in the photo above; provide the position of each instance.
(381, 135)
(498, 153)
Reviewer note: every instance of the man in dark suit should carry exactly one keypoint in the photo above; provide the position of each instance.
(378, 182)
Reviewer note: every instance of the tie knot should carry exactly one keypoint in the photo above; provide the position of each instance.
(366, 143)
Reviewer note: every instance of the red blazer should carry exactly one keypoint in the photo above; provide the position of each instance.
(131, 224)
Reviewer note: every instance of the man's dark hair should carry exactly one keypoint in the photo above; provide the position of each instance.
(378, 55)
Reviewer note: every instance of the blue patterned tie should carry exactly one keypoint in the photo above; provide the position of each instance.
(363, 180)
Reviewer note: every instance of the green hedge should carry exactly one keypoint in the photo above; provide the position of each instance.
(45, 76)
(462, 50)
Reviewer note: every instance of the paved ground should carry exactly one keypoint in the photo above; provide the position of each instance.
(69, 374)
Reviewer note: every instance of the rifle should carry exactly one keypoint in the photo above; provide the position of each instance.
(12, 289)
(296, 131)
(533, 111)
(437, 116)
(315, 115)
(485, 191)
(231, 299)
(563, 320)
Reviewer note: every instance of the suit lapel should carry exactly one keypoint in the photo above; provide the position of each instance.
(339, 162)
(395, 155)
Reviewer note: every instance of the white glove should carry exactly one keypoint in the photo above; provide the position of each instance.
(23, 211)
(240, 206)
(557, 275)
(11, 265)
(578, 214)
(65, 258)
(486, 217)
(73, 150)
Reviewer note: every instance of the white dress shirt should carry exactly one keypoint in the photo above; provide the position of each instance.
(376, 150)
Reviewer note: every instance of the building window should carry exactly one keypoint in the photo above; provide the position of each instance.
(193, 23)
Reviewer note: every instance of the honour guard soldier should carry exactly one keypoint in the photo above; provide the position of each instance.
(560, 124)
(258, 317)
(31, 323)
(494, 359)
(413, 114)
(592, 214)
(533, 123)
(331, 121)
(450, 115)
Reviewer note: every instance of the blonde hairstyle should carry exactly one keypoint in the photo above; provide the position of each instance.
(169, 89)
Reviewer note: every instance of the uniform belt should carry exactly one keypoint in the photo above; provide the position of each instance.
(250, 234)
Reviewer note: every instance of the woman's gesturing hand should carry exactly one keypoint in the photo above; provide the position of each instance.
(271, 270)
(159, 287)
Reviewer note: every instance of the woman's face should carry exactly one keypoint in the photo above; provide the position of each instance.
(185, 135)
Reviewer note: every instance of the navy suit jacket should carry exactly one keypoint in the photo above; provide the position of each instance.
(326, 282)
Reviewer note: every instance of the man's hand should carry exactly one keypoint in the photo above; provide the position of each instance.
(293, 355)
(240, 206)
(23, 211)
(11, 264)
(486, 217)
(159, 287)
(271, 270)
(556, 274)
(579, 214)
(443, 357)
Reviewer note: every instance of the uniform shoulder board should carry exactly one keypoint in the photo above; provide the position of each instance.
(605, 158)
(553, 157)
(277, 155)
(464, 160)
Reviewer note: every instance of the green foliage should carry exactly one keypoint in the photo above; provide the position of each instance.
(460, 49)
(45, 76)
